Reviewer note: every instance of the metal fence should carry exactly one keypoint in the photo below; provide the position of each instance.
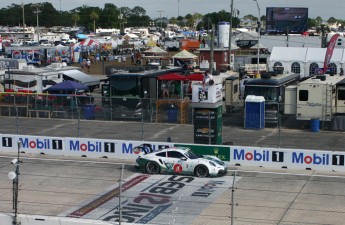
(168, 119)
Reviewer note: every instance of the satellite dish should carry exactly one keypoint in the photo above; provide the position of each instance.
(12, 175)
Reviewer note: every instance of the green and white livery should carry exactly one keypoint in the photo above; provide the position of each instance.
(179, 160)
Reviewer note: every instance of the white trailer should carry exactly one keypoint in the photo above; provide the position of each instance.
(33, 79)
(316, 97)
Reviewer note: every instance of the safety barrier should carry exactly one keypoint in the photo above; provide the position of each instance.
(125, 149)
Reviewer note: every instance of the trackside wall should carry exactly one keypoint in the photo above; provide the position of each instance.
(125, 149)
(50, 220)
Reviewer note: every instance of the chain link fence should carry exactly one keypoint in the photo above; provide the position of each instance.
(179, 120)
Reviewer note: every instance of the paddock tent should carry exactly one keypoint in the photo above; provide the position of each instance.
(81, 77)
(85, 44)
(305, 61)
(184, 55)
(155, 50)
(68, 85)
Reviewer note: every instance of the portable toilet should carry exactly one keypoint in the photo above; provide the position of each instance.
(254, 112)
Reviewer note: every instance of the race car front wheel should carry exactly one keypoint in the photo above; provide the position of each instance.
(201, 171)
(152, 168)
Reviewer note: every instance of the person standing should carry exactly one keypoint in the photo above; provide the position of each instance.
(208, 79)
(132, 57)
(88, 65)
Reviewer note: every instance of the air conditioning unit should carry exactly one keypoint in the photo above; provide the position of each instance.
(56, 65)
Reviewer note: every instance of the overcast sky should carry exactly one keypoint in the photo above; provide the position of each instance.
(173, 8)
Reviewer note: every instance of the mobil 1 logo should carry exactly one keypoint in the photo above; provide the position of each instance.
(338, 160)
(277, 156)
(56, 144)
(7, 142)
(109, 147)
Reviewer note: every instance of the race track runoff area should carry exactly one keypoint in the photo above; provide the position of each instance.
(153, 199)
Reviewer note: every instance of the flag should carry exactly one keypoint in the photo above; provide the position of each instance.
(329, 52)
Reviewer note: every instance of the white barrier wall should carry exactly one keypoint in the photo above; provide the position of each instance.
(125, 149)
(51, 220)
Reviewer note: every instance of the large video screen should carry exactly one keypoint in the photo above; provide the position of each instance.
(281, 20)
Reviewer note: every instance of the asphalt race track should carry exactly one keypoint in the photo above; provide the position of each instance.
(67, 187)
(178, 133)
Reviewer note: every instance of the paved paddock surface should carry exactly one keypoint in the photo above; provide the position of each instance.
(57, 187)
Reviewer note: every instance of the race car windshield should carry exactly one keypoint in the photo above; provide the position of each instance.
(192, 155)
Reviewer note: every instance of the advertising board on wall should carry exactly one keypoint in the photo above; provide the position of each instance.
(126, 149)
(287, 158)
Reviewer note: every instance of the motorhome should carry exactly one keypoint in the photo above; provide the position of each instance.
(316, 97)
(32, 79)
(272, 87)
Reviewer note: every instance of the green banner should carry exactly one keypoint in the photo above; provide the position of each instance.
(223, 153)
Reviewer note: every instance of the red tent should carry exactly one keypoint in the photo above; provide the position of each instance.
(195, 77)
(171, 76)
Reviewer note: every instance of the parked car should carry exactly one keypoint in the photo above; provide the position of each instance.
(178, 160)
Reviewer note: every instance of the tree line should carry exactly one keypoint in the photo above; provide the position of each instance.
(111, 16)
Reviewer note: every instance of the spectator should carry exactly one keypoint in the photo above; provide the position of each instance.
(88, 64)
(132, 58)
(208, 79)
(83, 65)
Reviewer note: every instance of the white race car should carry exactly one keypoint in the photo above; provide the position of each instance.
(180, 160)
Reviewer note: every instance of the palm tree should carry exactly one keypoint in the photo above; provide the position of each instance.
(173, 20)
(75, 18)
(94, 16)
(318, 20)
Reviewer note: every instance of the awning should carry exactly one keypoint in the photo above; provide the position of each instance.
(68, 85)
(81, 77)
(171, 76)
(195, 77)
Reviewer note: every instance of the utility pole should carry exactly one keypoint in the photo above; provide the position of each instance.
(160, 16)
(178, 8)
(23, 23)
(230, 31)
(37, 11)
(60, 13)
(211, 50)
(259, 31)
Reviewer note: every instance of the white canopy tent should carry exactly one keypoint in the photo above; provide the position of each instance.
(306, 59)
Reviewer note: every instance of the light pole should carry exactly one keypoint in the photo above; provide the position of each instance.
(259, 30)
(14, 176)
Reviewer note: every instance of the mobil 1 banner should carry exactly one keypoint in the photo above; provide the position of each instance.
(131, 149)
(91, 147)
(33, 144)
(111, 148)
(316, 160)
(252, 156)
(8, 143)
(287, 158)
(153, 199)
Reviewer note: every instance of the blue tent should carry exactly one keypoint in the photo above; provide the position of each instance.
(82, 36)
(68, 85)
